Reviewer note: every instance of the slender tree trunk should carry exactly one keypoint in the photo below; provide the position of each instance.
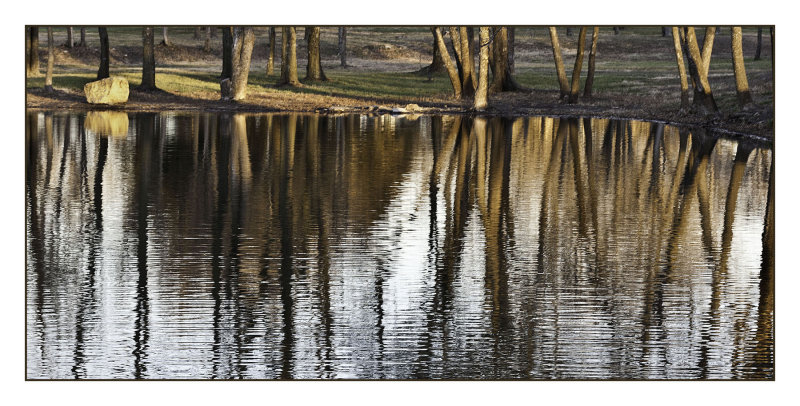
(227, 51)
(33, 55)
(758, 46)
(560, 72)
(436, 63)
(207, 43)
(503, 80)
(708, 45)
(511, 40)
(676, 40)
(481, 102)
(165, 41)
(742, 88)
(772, 47)
(663, 31)
(576, 70)
(197, 31)
(148, 60)
(289, 58)
(83, 37)
(48, 79)
(271, 56)
(569, 31)
(70, 39)
(28, 52)
(343, 46)
(587, 90)
(103, 71)
(455, 39)
(243, 40)
(468, 64)
(703, 97)
(444, 55)
(314, 67)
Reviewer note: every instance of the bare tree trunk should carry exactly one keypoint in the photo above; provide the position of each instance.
(511, 39)
(289, 58)
(103, 71)
(576, 70)
(197, 32)
(343, 46)
(148, 60)
(227, 52)
(772, 47)
(243, 40)
(314, 67)
(165, 41)
(481, 102)
(271, 56)
(436, 63)
(207, 43)
(758, 46)
(503, 80)
(444, 55)
(663, 31)
(742, 88)
(468, 65)
(83, 37)
(560, 72)
(703, 97)
(48, 79)
(70, 40)
(569, 31)
(708, 45)
(681, 69)
(28, 52)
(587, 90)
(455, 39)
(33, 55)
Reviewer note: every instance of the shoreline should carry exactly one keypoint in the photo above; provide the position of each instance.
(752, 125)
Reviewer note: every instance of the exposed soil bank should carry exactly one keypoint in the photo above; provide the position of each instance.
(756, 123)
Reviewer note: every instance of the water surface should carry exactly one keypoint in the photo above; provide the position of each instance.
(220, 246)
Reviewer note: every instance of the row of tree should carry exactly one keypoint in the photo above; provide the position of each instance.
(494, 52)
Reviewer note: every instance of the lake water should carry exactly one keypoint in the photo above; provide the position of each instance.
(269, 246)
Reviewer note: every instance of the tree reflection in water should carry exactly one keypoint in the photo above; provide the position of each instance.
(269, 246)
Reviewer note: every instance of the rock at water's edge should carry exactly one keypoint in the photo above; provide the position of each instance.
(111, 90)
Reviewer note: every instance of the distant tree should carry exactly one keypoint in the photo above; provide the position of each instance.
(758, 46)
(343, 46)
(48, 79)
(587, 89)
(148, 60)
(511, 40)
(503, 80)
(676, 40)
(289, 57)
(481, 102)
(576, 70)
(444, 55)
(772, 45)
(563, 85)
(165, 41)
(314, 70)
(616, 30)
(227, 50)
(103, 72)
(32, 54)
(207, 43)
(197, 32)
(663, 31)
(569, 31)
(243, 41)
(742, 88)
(271, 57)
(70, 40)
(83, 37)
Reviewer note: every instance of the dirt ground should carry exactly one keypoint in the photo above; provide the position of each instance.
(636, 76)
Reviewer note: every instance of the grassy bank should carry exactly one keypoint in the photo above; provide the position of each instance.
(636, 75)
